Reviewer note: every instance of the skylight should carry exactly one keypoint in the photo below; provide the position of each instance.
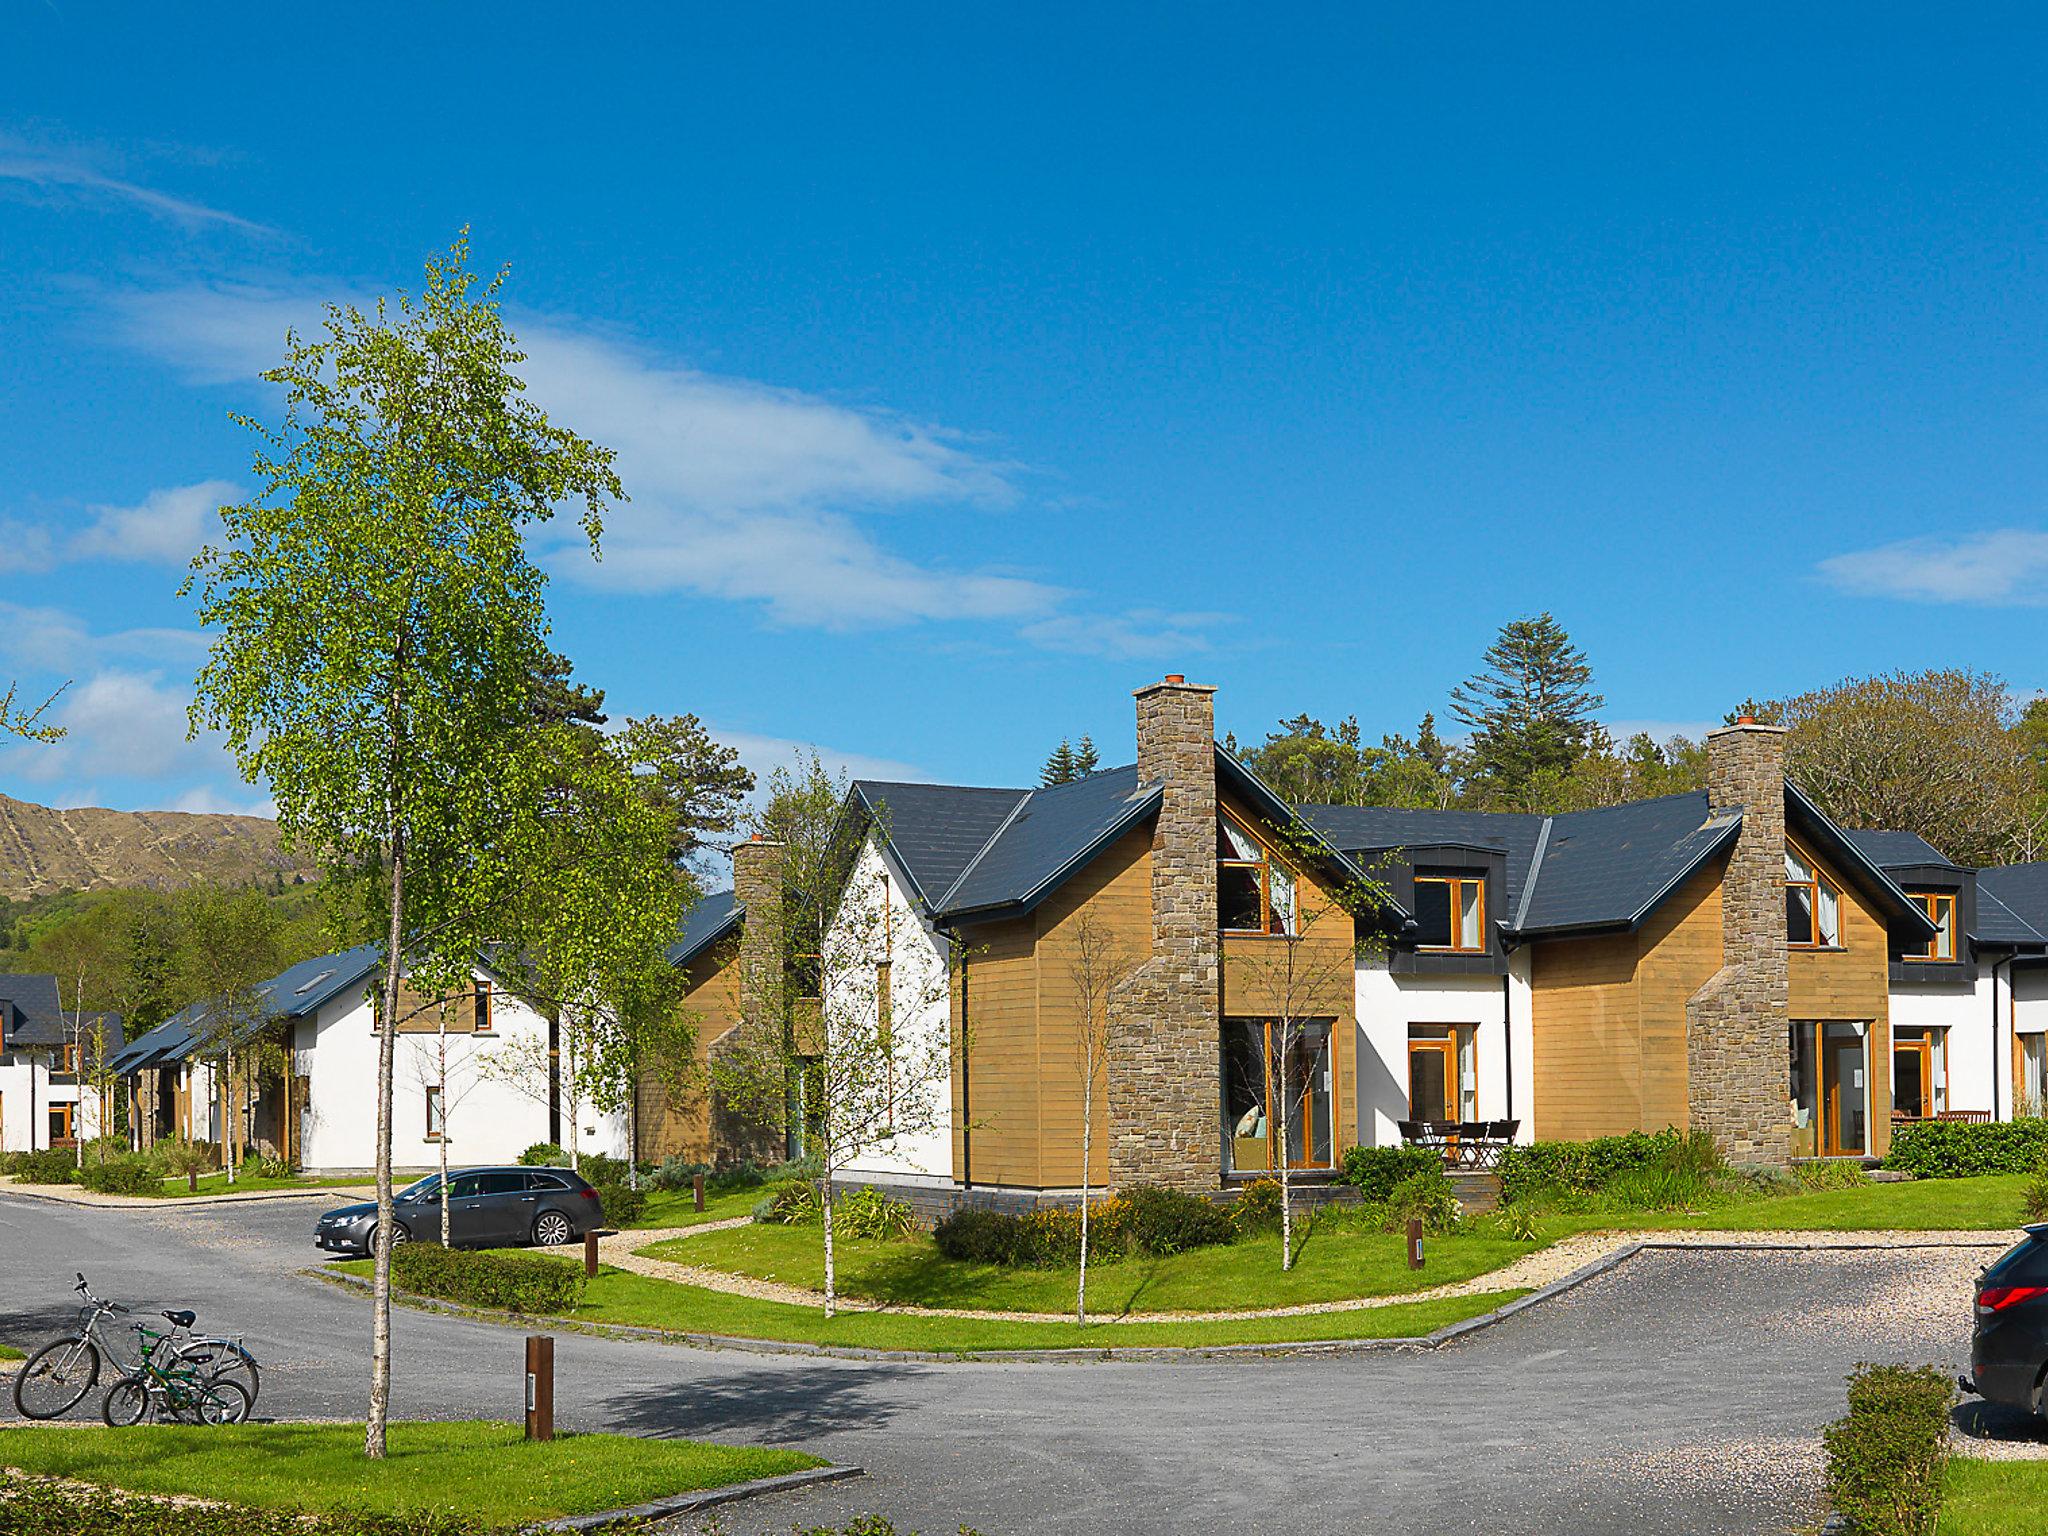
(303, 988)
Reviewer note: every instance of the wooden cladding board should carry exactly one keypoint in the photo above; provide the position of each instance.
(995, 1097)
(421, 1013)
(674, 1118)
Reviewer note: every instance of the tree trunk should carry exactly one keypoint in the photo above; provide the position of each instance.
(1280, 1147)
(387, 1041)
(831, 1275)
(1087, 1136)
(231, 1103)
(445, 1218)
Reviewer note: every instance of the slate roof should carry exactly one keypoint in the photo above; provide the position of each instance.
(708, 921)
(2012, 905)
(1616, 863)
(29, 1011)
(293, 993)
(935, 830)
(1048, 834)
(1366, 830)
(1897, 850)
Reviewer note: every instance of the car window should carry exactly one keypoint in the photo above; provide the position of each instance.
(420, 1190)
(504, 1183)
(546, 1181)
(2025, 1264)
(462, 1186)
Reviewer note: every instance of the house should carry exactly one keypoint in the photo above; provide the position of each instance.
(45, 1101)
(480, 1070)
(1729, 960)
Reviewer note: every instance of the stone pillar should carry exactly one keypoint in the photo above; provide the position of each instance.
(1738, 1058)
(756, 886)
(1165, 1074)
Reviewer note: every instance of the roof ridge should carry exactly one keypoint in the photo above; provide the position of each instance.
(1535, 871)
(981, 853)
(1983, 893)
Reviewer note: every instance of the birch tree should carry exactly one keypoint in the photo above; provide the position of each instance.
(449, 1081)
(1098, 964)
(377, 622)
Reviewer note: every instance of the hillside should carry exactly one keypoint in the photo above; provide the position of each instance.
(44, 850)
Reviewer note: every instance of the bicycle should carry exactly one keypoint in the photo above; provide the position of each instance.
(171, 1387)
(58, 1376)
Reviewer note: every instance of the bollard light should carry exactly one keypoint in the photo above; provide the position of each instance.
(540, 1387)
(1415, 1245)
(590, 1255)
(697, 1189)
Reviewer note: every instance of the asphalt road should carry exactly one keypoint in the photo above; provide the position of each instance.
(1681, 1392)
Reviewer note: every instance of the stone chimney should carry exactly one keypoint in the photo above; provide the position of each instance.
(756, 886)
(1165, 1089)
(1737, 1043)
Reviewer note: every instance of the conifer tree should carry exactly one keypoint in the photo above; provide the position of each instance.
(1531, 708)
(1060, 767)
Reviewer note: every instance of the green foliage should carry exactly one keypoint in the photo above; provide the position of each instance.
(1424, 1197)
(1257, 1207)
(128, 1174)
(544, 1154)
(601, 1168)
(1887, 1459)
(1584, 1167)
(792, 1203)
(1531, 708)
(623, 1204)
(1068, 762)
(514, 1282)
(697, 782)
(1951, 1149)
(54, 1165)
(972, 1235)
(185, 1156)
(2036, 1197)
(1657, 1188)
(1143, 1219)
(870, 1213)
(34, 1507)
(1169, 1221)
(1374, 1171)
(1307, 761)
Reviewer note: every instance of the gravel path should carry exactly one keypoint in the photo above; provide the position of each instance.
(628, 1251)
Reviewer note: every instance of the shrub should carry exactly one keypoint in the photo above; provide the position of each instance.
(78, 1509)
(544, 1154)
(190, 1158)
(870, 1213)
(678, 1172)
(1376, 1170)
(57, 1165)
(1258, 1205)
(971, 1235)
(1887, 1459)
(792, 1203)
(1170, 1221)
(128, 1174)
(2037, 1194)
(267, 1167)
(623, 1204)
(1585, 1167)
(514, 1282)
(748, 1175)
(602, 1169)
(1423, 1197)
(1951, 1149)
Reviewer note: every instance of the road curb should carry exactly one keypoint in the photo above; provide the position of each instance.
(49, 1193)
(703, 1498)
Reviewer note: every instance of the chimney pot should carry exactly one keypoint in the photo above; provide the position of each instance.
(1176, 677)
(1745, 719)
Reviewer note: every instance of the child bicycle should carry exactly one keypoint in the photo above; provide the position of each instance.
(165, 1385)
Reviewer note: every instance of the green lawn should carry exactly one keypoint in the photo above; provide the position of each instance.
(251, 1182)
(482, 1469)
(637, 1301)
(1994, 1203)
(672, 1208)
(1995, 1498)
(9, 1352)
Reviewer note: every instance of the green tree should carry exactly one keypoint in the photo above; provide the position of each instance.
(560, 700)
(1531, 709)
(378, 626)
(1086, 759)
(234, 943)
(19, 720)
(1308, 763)
(1060, 766)
(699, 783)
(2031, 733)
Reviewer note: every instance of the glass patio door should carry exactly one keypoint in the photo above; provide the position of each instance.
(1842, 1062)
(1432, 1079)
(1260, 1091)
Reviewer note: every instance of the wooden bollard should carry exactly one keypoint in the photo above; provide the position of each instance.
(1415, 1245)
(540, 1387)
(590, 1255)
(697, 1189)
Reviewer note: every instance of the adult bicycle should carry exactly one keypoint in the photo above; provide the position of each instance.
(57, 1377)
(165, 1385)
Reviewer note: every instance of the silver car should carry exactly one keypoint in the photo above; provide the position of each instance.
(487, 1208)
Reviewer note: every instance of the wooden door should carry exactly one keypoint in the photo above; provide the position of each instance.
(1432, 1079)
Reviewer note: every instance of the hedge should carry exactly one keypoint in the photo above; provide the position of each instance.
(57, 1165)
(1953, 1149)
(1376, 1171)
(1583, 1166)
(1888, 1458)
(1143, 1219)
(513, 1282)
(128, 1174)
(33, 1507)
(623, 1205)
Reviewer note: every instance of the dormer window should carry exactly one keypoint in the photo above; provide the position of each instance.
(1813, 904)
(1450, 913)
(1940, 907)
(1254, 894)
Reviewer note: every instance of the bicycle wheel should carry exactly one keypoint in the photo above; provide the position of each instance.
(221, 1402)
(220, 1360)
(127, 1402)
(56, 1378)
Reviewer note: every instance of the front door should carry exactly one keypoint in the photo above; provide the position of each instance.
(1913, 1075)
(1842, 1085)
(1432, 1079)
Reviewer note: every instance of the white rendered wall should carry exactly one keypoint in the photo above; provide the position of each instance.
(2023, 1000)
(920, 1014)
(489, 1120)
(1388, 1004)
(1964, 1013)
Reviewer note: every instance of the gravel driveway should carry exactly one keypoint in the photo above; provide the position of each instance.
(1683, 1390)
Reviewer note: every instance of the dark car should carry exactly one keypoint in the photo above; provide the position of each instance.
(487, 1208)
(2009, 1346)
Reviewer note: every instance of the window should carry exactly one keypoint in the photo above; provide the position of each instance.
(437, 1113)
(2032, 1096)
(1443, 1083)
(1940, 907)
(1919, 1073)
(1258, 1093)
(1450, 912)
(60, 1123)
(1253, 893)
(481, 1001)
(1813, 904)
(67, 1059)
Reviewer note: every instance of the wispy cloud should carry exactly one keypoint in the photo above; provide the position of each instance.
(74, 172)
(740, 490)
(2007, 567)
(165, 528)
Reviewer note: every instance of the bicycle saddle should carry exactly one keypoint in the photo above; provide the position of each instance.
(182, 1319)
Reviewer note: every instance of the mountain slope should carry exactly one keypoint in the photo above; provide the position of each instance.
(44, 850)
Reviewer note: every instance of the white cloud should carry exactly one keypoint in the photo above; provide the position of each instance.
(73, 172)
(2007, 567)
(54, 640)
(25, 546)
(204, 801)
(120, 724)
(165, 528)
(764, 754)
(739, 490)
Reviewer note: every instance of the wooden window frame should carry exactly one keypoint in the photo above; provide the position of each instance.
(67, 1059)
(1931, 1045)
(1268, 1057)
(1929, 902)
(1455, 883)
(69, 1112)
(1820, 879)
(483, 1000)
(1264, 866)
(436, 1097)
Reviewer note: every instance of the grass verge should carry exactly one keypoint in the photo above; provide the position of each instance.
(9, 1352)
(1925, 1205)
(678, 1208)
(1995, 1498)
(637, 1301)
(485, 1470)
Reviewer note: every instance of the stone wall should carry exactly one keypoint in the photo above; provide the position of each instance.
(1737, 1041)
(756, 886)
(1165, 1088)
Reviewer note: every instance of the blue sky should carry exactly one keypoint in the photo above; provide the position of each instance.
(969, 368)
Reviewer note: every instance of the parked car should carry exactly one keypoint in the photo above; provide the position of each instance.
(2009, 1345)
(487, 1208)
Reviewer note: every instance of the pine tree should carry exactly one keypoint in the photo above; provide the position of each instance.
(1086, 758)
(1530, 707)
(1061, 767)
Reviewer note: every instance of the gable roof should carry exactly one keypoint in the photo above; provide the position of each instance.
(294, 993)
(1897, 850)
(708, 920)
(1362, 831)
(1614, 864)
(1048, 834)
(29, 1011)
(935, 830)
(1855, 865)
(2012, 906)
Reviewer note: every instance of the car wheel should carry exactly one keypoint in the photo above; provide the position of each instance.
(551, 1229)
(398, 1235)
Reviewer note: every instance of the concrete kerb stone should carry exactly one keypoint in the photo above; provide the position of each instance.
(57, 1194)
(703, 1498)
